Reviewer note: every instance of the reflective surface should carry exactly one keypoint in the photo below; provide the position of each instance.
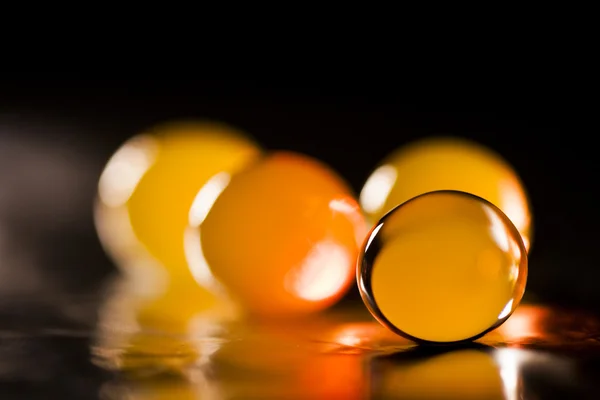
(447, 163)
(445, 266)
(283, 236)
(538, 353)
(62, 337)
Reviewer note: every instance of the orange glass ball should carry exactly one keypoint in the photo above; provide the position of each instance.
(284, 235)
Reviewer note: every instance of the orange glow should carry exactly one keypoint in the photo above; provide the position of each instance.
(283, 236)
(526, 323)
(334, 376)
(447, 267)
(271, 360)
(367, 336)
(357, 334)
(447, 164)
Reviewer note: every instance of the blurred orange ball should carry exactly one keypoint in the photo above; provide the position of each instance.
(283, 236)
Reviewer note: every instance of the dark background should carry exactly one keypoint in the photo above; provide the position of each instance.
(56, 136)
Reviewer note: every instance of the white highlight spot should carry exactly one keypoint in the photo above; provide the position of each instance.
(125, 169)
(506, 310)
(377, 188)
(206, 197)
(322, 274)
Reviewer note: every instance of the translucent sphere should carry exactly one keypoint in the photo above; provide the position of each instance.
(151, 196)
(446, 163)
(150, 185)
(443, 267)
(283, 236)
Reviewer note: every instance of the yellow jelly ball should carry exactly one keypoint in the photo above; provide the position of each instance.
(148, 187)
(444, 267)
(446, 163)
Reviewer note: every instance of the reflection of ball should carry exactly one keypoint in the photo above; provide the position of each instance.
(284, 235)
(461, 374)
(149, 185)
(144, 388)
(445, 266)
(294, 360)
(447, 164)
(142, 331)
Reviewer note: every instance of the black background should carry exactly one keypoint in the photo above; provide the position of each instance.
(78, 124)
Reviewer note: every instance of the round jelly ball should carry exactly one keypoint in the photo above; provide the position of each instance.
(284, 235)
(446, 163)
(443, 267)
(148, 187)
